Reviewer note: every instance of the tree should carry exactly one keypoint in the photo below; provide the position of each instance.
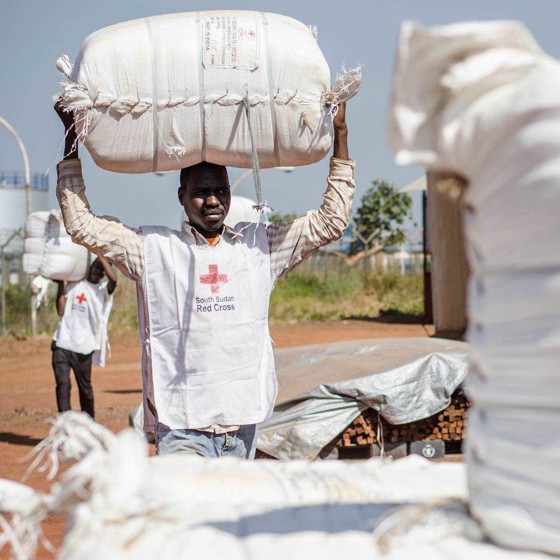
(379, 218)
(280, 219)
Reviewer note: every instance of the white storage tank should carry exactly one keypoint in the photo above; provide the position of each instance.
(13, 209)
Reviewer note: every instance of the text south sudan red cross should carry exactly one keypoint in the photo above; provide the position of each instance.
(214, 279)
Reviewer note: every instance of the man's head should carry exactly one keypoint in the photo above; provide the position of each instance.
(205, 195)
(96, 272)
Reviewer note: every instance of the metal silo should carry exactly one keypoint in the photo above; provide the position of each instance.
(13, 205)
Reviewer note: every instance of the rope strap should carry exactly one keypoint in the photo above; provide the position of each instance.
(261, 206)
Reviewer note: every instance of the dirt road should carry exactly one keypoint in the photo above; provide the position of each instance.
(27, 396)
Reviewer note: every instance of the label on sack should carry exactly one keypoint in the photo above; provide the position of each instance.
(230, 42)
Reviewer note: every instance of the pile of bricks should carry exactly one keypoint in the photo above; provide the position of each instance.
(449, 425)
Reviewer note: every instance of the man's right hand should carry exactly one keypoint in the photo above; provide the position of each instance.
(67, 117)
(71, 141)
(340, 133)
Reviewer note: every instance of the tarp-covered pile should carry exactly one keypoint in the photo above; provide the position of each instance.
(324, 387)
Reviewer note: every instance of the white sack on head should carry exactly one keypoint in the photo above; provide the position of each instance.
(167, 92)
(50, 252)
(483, 101)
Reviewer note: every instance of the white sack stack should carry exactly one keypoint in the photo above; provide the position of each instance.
(166, 92)
(49, 251)
(483, 101)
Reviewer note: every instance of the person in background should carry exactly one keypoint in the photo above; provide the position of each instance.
(203, 297)
(81, 307)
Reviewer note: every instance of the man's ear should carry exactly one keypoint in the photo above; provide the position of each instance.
(181, 194)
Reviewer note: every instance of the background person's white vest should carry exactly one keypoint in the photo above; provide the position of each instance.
(210, 351)
(81, 328)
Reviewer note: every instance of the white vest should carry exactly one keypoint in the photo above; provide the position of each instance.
(210, 353)
(81, 326)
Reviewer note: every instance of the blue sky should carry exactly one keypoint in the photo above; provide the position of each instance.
(33, 33)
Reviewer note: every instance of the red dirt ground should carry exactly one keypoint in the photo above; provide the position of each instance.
(27, 396)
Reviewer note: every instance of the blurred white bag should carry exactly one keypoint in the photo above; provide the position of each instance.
(483, 101)
(120, 503)
(49, 251)
(241, 209)
(166, 92)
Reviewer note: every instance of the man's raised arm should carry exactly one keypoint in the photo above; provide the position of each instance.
(291, 243)
(103, 235)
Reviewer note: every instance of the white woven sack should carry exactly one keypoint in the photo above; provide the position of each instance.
(49, 251)
(166, 92)
(482, 100)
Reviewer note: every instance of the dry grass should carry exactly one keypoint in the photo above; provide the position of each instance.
(300, 296)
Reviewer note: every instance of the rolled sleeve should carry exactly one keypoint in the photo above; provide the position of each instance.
(342, 169)
(104, 236)
(291, 243)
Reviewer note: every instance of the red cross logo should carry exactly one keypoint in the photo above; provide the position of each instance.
(213, 278)
(81, 298)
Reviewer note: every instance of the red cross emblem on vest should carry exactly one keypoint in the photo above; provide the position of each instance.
(214, 279)
(81, 298)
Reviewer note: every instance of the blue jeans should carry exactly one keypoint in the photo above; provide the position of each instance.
(239, 443)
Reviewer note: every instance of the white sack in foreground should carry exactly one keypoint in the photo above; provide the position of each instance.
(121, 504)
(481, 100)
(49, 251)
(166, 92)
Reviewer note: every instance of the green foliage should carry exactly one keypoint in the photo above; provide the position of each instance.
(306, 296)
(381, 213)
(313, 292)
(18, 312)
(279, 219)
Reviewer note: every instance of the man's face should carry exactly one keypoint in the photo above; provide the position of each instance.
(206, 198)
(96, 272)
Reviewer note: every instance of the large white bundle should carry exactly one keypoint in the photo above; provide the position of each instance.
(121, 504)
(483, 101)
(49, 251)
(167, 92)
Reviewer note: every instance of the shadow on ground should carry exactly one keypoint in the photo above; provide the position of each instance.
(18, 439)
(389, 316)
(123, 391)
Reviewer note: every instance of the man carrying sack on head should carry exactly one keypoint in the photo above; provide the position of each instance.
(83, 308)
(203, 293)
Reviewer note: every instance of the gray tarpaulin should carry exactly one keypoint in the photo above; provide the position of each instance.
(323, 387)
